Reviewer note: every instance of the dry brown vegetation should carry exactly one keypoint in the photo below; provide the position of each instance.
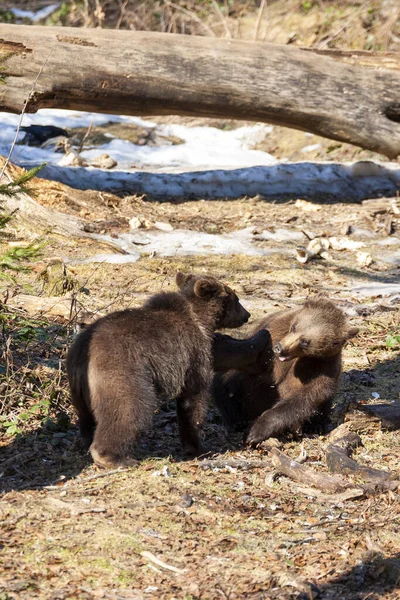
(360, 24)
(229, 528)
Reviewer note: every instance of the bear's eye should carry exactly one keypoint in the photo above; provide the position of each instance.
(304, 343)
(293, 328)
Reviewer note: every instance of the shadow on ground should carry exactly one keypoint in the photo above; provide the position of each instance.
(375, 577)
(332, 182)
(54, 452)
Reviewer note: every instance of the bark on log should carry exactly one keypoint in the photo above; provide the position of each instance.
(298, 472)
(389, 414)
(41, 219)
(142, 73)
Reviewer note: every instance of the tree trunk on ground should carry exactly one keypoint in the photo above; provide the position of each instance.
(338, 460)
(141, 73)
(389, 414)
(41, 219)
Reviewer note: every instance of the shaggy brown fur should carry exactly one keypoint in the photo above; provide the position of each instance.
(123, 364)
(297, 387)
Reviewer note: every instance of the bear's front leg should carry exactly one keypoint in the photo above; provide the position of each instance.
(285, 416)
(266, 426)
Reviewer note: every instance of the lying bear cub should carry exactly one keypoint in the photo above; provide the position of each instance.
(124, 364)
(296, 388)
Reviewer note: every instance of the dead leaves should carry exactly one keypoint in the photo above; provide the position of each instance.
(74, 508)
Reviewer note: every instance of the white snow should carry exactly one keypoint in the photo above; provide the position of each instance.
(376, 289)
(203, 146)
(183, 242)
(35, 16)
(311, 148)
(211, 163)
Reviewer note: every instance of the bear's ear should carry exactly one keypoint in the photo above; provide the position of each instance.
(205, 288)
(181, 279)
(352, 332)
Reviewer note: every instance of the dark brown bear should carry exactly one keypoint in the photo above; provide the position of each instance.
(243, 355)
(121, 366)
(297, 387)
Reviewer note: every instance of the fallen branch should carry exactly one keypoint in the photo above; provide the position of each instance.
(389, 414)
(147, 73)
(338, 460)
(161, 563)
(298, 472)
(233, 463)
(73, 508)
(38, 218)
(60, 307)
(348, 494)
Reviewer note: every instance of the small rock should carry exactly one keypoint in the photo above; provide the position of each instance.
(135, 223)
(73, 159)
(307, 206)
(186, 500)
(364, 259)
(139, 223)
(104, 161)
(163, 226)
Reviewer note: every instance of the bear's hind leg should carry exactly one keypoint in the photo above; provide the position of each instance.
(122, 412)
(87, 426)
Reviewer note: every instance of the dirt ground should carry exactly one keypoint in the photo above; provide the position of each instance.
(229, 526)
(225, 528)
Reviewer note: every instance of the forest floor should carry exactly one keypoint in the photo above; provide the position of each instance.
(230, 526)
(223, 529)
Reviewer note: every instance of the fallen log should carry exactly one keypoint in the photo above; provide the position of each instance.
(388, 414)
(42, 220)
(305, 475)
(336, 486)
(338, 460)
(142, 73)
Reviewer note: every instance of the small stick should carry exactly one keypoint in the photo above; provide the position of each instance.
(222, 19)
(191, 14)
(101, 474)
(161, 563)
(293, 469)
(339, 497)
(230, 464)
(258, 20)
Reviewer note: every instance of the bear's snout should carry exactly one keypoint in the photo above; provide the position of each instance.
(283, 353)
(246, 315)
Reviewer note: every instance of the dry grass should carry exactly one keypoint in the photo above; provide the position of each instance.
(70, 531)
(364, 24)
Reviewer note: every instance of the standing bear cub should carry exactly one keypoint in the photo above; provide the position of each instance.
(296, 388)
(121, 366)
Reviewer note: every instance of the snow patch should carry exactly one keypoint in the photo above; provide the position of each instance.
(210, 163)
(37, 15)
(377, 289)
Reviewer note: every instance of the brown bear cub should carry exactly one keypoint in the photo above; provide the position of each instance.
(296, 388)
(121, 366)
